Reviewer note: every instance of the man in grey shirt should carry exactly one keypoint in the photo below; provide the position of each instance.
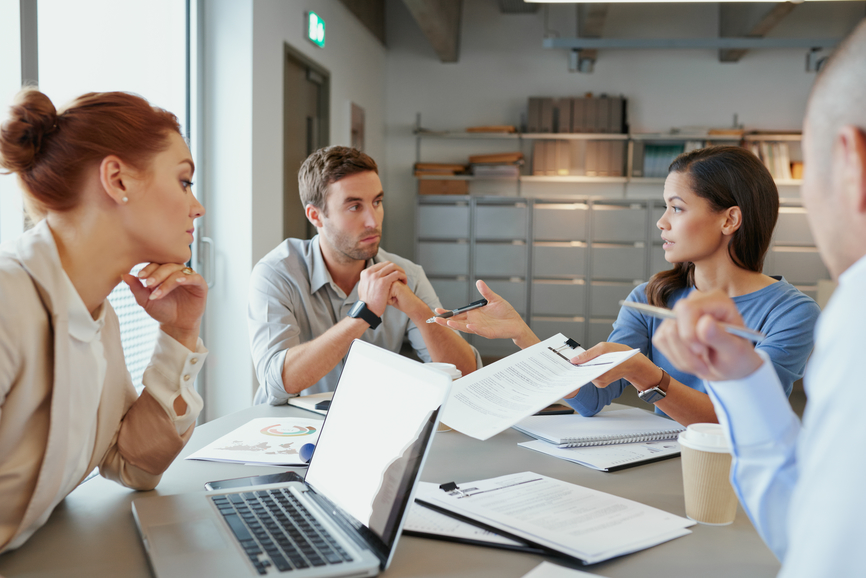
(309, 299)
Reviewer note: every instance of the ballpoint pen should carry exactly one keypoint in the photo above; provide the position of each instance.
(459, 310)
(663, 313)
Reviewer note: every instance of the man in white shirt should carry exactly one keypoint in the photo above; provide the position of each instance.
(802, 485)
(309, 299)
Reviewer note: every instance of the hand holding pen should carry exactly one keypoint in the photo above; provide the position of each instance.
(496, 320)
(459, 310)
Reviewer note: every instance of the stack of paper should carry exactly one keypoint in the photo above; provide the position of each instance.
(608, 441)
(572, 520)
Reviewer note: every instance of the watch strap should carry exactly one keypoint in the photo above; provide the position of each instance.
(362, 312)
(658, 392)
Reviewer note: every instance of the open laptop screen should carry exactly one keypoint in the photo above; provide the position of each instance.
(375, 436)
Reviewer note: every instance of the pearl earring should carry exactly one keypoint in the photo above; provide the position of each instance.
(125, 199)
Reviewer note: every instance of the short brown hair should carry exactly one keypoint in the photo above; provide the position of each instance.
(326, 166)
(50, 150)
(725, 176)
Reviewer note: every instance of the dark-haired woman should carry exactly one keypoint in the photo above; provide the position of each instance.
(721, 207)
(107, 181)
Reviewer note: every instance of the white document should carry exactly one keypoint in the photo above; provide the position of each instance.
(611, 457)
(579, 522)
(423, 520)
(496, 397)
(548, 570)
(264, 441)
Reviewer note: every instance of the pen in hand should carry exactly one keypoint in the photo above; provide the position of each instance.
(662, 313)
(459, 310)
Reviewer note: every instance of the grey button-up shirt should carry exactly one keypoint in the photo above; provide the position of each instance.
(293, 300)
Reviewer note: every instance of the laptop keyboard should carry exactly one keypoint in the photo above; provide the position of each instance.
(275, 529)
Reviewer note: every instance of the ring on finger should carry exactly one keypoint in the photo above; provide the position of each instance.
(187, 271)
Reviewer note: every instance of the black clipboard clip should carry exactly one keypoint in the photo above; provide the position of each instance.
(452, 489)
(569, 342)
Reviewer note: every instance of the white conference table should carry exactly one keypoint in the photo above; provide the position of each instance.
(92, 532)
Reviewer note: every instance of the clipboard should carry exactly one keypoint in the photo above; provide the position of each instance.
(523, 546)
(526, 546)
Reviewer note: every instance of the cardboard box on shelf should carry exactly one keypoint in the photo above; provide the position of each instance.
(443, 187)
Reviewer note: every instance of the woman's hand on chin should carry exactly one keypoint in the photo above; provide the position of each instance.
(174, 295)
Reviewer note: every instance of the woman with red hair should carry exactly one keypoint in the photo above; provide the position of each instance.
(107, 181)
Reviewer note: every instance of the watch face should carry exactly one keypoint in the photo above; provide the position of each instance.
(651, 395)
(356, 308)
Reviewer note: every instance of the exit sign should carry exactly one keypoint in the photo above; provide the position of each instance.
(316, 29)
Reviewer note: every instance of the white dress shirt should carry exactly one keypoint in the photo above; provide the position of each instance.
(802, 486)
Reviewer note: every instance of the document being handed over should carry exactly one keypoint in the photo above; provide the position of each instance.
(496, 397)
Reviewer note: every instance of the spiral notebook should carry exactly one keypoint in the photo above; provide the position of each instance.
(619, 426)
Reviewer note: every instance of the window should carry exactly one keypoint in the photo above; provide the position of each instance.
(11, 209)
(125, 45)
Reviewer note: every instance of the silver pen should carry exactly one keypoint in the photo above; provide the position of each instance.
(459, 310)
(663, 313)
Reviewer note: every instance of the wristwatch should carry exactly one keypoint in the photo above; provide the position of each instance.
(359, 310)
(654, 394)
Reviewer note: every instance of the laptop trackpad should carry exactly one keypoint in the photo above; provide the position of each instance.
(184, 538)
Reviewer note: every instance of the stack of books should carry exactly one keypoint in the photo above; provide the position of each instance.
(608, 441)
(776, 156)
(591, 158)
(497, 166)
(586, 114)
(429, 184)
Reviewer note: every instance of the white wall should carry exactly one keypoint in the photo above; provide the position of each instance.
(244, 45)
(502, 63)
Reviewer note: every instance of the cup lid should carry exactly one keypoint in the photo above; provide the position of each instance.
(708, 437)
(448, 368)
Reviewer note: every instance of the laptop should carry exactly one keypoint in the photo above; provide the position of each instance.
(352, 502)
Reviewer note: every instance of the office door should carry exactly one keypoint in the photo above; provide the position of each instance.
(305, 130)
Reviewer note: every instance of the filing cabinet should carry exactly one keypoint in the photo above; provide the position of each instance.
(560, 221)
(557, 298)
(444, 258)
(565, 263)
(559, 260)
(443, 221)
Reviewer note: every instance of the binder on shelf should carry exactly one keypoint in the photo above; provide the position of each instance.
(550, 158)
(590, 114)
(637, 159)
(546, 123)
(604, 157)
(602, 120)
(620, 426)
(563, 115)
(563, 157)
(592, 158)
(617, 158)
(533, 115)
(538, 162)
(578, 115)
(577, 149)
(616, 115)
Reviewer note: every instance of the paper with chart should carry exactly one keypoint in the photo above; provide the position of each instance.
(264, 441)
(496, 397)
(579, 522)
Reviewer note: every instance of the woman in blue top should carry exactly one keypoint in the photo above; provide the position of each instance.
(721, 207)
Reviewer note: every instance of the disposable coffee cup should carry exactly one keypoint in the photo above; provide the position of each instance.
(706, 459)
(451, 370)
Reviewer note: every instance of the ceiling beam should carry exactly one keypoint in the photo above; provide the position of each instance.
(688, 43)
(749, 21)
(439, 20)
